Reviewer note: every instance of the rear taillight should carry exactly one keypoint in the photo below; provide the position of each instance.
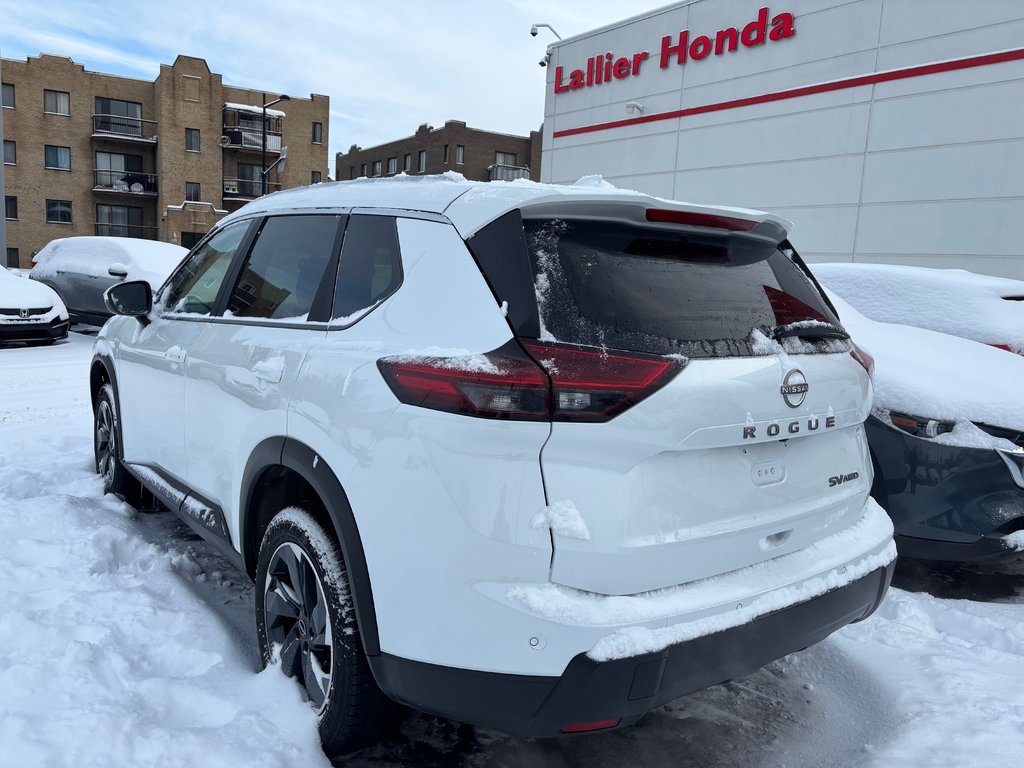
(864, 359)
(592, 385)
(546, 382)
(503, 384)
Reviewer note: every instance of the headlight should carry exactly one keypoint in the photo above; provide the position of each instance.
(920, 427)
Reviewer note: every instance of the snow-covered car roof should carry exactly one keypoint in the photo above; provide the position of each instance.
(937, 376)
(954, 301)
(17, 292)
(148, 260)
(471, 205)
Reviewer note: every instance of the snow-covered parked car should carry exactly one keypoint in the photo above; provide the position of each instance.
(80, 269)
(30, 312)
(953, 301)
(947, 438)
(516, 454)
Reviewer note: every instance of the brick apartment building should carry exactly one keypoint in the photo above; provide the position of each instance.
(477, 155)
(87, 153)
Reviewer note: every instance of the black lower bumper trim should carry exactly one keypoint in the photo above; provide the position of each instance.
(624, 689)
(987, 549)
(11, 332)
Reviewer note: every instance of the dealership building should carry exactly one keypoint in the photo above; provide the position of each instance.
(887, 130)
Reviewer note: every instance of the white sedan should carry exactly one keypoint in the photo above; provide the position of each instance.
(30, 312)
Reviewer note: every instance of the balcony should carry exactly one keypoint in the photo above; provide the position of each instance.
(237, 137)
(127, 230)
(125, 182)
(120, 128)
(247, 189)
(498, 172)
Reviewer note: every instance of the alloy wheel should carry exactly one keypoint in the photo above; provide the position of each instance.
(106, 439)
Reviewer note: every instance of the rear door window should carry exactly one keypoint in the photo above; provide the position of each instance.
(371, 266)
(666, 290)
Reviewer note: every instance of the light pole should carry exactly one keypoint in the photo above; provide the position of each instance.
(263, 143)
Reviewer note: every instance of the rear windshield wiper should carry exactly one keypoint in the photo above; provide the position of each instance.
(810, 329)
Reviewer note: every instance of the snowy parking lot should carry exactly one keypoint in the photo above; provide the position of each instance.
(125, 641)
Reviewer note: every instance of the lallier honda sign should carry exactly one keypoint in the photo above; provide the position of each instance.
(606, 67)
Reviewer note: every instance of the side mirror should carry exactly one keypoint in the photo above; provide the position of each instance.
(118, 270)
(134, 299)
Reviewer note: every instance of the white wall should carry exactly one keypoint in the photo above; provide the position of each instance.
(926, 170)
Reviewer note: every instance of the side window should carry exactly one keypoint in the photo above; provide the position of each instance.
(194, 287)
(285, 268)
(371, 264)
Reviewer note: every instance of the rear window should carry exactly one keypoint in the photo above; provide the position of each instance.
(668, 290)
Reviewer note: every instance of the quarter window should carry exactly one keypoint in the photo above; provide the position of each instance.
(56, 102)
(58, 211)
(194, 287)
(283, 273)
(57, 157)
(371, 264)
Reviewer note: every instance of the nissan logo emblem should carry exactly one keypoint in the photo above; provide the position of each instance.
(794, 388)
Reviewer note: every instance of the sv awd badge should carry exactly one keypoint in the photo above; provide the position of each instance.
(840, 479)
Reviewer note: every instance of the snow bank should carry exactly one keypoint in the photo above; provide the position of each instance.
(936, 376)
(951, 301)
(145, 259)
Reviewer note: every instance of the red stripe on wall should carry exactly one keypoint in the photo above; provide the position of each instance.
(808, 90)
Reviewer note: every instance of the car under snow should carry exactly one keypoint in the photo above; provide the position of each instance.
(30, 312)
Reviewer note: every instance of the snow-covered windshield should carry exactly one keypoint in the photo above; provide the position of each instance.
(669, 290)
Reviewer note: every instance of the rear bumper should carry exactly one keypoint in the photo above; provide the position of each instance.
(34, 331)
(625, 689)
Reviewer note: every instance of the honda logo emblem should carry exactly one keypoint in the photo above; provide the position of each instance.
(23, 312)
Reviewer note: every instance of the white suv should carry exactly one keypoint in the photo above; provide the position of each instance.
(533, 457)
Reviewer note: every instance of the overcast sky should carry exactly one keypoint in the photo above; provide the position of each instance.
(387, 65)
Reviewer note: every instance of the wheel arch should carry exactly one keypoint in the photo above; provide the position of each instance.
(282, 471)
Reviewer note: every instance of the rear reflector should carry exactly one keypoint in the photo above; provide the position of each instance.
(545, 382)
(711, 220)
(597, 725)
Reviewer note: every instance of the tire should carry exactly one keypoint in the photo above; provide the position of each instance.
(106, 443)
(305, 621)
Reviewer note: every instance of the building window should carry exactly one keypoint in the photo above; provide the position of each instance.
(58, 211)
(318, 133)
(362, 171)
(190, 239)
(10, 207)
(56, 102)
(351, 172)
(446, 154)
(119, 221)
(250, 180)
(505, 158)
(460, 154)
(314, 177)
(423, 161)
(8, 97)
(192, 193)
(10, 152)
(121, 117)
(58, 158)
(376, 167)
(122, 173)
(407, 163)
(392, 165)
(13, 258)
(191, 139)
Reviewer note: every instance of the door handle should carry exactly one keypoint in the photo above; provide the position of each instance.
(271, 371)
(175, 354)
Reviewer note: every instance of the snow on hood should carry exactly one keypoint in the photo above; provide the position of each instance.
(147, 260)
(951, 301)
(17, 292)
(936, 376)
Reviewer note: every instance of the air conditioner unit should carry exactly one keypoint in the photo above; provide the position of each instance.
(231, 186)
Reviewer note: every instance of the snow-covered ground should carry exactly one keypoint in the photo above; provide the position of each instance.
(124, 641)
